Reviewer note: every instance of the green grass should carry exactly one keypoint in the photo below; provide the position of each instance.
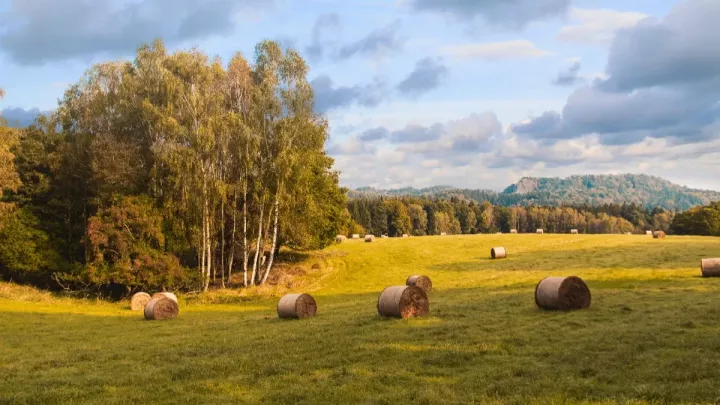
(651, 335)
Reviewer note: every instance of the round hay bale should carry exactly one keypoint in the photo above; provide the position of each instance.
(296, 306)
(562, 293)
(574, 231)
(383, 236)
(405, 235)
(513, 231)
(340, 238)
(166, 295)
(498, 253)
(139, 300)
(443, 233)
(403, 302)
(710, 267)
(161, 308)
(356, 236)
(659, 235)
(423, 282)
(648, 232)
(369, 238)
(539, 231)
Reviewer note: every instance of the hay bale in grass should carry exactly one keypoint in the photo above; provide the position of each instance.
(562, 293)
(139, 300)
(423, 282)
(574, 231)
(659, 235)
(356, 236)
(369, 238)
(443, 233)
(710, 267)
(513, 231)
(403, 302)
(297, 306)
(539, 231)
(405, 235)
(161, 308)
(340, 238)
(166, 295)
(498, 253)
(648, 232)
(383, 236)
(628, 233)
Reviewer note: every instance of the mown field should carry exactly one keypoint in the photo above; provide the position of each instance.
(651, 335)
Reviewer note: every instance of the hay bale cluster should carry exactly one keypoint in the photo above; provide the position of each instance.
(296, 306)
(498, 253)
(423, 282)
(562, 293)
(403, 302)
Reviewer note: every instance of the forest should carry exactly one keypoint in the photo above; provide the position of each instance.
(394, 216)
(171, 171)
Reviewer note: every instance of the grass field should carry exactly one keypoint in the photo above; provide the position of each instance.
(651, 335)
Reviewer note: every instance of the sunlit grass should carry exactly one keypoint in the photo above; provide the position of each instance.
(651, 335)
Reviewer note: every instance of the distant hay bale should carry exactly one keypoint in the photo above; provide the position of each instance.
(513, 231)
(167, 295)
(356, 236)
(383, 236)
(498, 252)
(139, 300)
(562, 293)
(161, 308)
(403, 302)
(628, 233)
(648, 232)
(574, 231)
(443, 233)
(539, 231)
(405, 235)
(659, 235)
(296, 306)
(710, 267)
(340, 238)
(369, 238)
(423, 282)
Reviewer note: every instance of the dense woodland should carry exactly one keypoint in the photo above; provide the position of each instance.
(594, 190)
(432, 216)
(172, 171)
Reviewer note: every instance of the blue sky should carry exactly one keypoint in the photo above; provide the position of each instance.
(471, 93)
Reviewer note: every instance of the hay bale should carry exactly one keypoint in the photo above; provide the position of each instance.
(403, 302)
(166, 295)
(574, 231)
(383, 236)
(659, 235)
(628, 233)
(340, 238)
(443, 233)
(498, 233)
(139, 300)
(423, 282)
(296, 306)
(513, 231)
(369, 238)
(710, 267)
(539, 231)
(562, 293)
(356, 236)
(498, 253)
(648, 232)
(405, 235)
(161, 308)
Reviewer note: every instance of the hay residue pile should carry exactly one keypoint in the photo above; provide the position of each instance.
(563, 293)
(710, 267)
(423, 282)
(297, 306)
(166, 294)
(498, 253)
(139, 300)
(403, 302)
(161, 308)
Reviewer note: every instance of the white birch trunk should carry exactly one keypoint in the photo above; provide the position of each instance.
(274, 240)
(259, 240)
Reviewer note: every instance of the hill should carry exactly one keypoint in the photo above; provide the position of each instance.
(648, 191)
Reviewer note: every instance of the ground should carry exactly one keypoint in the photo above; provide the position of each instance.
(651, 335)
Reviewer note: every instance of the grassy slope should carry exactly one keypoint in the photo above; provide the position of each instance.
(651, 335)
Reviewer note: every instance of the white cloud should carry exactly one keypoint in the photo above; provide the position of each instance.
(492, 51)
(597, 26)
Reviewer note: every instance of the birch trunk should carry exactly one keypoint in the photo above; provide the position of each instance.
(222, 242)
(231, 259)
(274, 240)
(256, 259)
(245, 241)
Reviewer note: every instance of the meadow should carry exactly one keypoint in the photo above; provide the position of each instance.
(651, 334)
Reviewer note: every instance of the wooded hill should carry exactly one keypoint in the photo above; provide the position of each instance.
(594, 190)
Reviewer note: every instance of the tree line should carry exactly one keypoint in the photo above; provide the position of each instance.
(704, 220)
(170, 171)
(432, 216)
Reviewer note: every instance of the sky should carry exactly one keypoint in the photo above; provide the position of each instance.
(467, 93)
